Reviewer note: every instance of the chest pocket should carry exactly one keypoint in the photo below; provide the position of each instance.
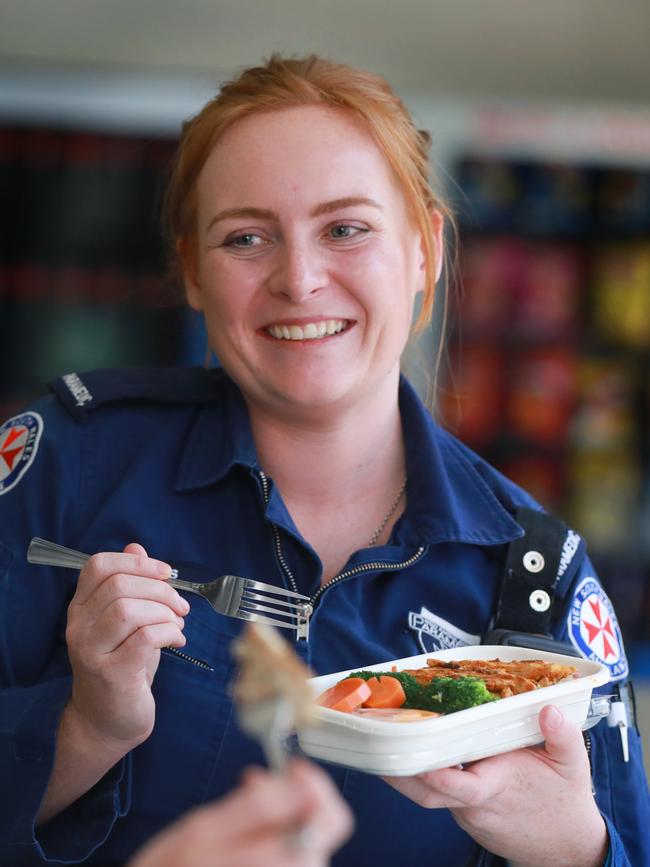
(175, 768)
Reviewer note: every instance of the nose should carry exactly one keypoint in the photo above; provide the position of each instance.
(300, 272)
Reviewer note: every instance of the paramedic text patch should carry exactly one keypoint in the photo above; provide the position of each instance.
(436, 633)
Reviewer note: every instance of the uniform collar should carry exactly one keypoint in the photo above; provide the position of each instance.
(219, 439)
(449, 499)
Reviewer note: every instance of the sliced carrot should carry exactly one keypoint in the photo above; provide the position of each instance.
(385, 692)
(346, 695)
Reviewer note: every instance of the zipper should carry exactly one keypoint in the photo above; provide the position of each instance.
(276, 536)
(386, 566)
(356, 570)
(174, 651)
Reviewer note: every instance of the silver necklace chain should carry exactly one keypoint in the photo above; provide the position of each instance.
(389, 514)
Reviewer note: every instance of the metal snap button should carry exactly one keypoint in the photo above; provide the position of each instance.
(539, 600)
(533, 561)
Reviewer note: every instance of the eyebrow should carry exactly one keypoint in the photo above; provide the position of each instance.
(318, 211)
(346, 202)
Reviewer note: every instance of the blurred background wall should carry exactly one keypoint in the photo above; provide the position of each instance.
(540, 117)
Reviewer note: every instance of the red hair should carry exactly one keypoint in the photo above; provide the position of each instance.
(291, 82)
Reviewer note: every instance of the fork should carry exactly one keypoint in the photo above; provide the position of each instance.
(231, 595)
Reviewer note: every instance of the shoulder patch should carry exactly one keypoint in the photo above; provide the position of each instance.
(593, 628)
(83, 393)
(19, 438)
(77, 389)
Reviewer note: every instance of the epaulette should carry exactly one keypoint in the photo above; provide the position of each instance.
(83, 393)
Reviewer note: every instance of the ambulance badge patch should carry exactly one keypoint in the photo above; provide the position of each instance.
(19, 438)
(594, 630)
(435, 633)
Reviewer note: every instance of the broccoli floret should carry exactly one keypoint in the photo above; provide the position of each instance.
(448, 694)
(412, 689)
(441, 694)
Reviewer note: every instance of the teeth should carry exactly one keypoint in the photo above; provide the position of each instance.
(310, 331)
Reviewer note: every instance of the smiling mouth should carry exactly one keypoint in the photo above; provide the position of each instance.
(308, 331)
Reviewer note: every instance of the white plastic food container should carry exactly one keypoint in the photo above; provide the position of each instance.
(404, 748)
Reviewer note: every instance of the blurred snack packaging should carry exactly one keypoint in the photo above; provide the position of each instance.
(541, 395)
(490, 271)
(621, 294)
(605, 499)
(543, 476)
(622, 200)
(471, 404)
(605, 416)
(549, 293)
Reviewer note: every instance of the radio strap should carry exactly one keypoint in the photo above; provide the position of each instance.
(525, 602)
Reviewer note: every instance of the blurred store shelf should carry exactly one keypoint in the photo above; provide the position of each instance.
(550, 354)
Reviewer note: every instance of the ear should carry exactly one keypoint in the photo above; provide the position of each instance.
(186, 249)
(437, 221)
(437, 230)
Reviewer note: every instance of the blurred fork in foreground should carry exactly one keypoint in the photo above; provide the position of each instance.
(271, 691)
(231, 595)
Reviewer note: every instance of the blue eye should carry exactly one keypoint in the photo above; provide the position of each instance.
(346, 232)
(343, 231)
(248, 239)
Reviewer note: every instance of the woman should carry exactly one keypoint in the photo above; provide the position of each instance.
(305, 229)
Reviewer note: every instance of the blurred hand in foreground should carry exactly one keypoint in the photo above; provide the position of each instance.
(295, 819)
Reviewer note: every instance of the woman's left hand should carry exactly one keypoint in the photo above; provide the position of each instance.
(532, 806)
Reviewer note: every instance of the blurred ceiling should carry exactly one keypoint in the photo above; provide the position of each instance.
(586, 50)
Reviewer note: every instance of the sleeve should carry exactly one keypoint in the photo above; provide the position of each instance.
(41, 494)
(621, 789)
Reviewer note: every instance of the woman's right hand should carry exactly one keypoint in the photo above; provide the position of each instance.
(123, 612)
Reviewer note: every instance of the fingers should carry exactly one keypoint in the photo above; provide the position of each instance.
(135, 652)
(456, 788)
(120, 595)
(296, 819)
(564, 742)
(264, 800)
(269, 804)
(436, 789)
(481, 782)
(328, 820)
(133, 561)
(125, 616)
(201, 839)
(122, 601)
(129, 587)
(135, 548)
(252, 826)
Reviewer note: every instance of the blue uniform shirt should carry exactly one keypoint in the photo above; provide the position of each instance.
(166, 458)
